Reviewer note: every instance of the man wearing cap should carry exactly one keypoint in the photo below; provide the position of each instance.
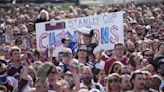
(132, 24)
(68, 43)
(66, 56)
(65, 42)
(87, 39)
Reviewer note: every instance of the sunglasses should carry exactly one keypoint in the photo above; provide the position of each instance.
(82, 50)
(113, 80)
(66, 54)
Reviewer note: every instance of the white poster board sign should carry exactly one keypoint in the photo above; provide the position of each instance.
(108, 29)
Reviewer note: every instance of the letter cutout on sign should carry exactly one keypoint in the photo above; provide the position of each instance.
(104, 35)
(42, 37)
(52, 39)
(114, 38)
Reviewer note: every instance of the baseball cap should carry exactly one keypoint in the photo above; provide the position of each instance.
(66, 50)
(63, 39)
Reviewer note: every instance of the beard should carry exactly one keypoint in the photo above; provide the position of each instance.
(87, 80)
(131, 50)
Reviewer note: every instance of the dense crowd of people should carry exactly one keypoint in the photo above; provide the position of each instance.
(135, 66)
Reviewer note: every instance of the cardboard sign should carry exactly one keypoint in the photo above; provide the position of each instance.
(107, 27)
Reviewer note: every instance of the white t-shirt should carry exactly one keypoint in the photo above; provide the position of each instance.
(93, 87)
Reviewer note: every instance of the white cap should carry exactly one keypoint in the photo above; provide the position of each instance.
(66, 50)
(94, 90)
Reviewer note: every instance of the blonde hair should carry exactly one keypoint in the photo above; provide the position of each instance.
(14, 48)
(109, 76)
(44, 12)
(113, 74)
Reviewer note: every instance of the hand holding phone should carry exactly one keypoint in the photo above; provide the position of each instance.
(2, 38)
(28, 59)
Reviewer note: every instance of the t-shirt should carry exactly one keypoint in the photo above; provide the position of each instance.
(91, 47)
(4, 62)
(14, 71)
(64, 67)
(94, 86)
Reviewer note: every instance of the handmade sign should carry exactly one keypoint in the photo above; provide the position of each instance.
(107, 27)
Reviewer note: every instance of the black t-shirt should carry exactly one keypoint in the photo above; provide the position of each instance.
(91, 47)
(40, 20)
(4, 62)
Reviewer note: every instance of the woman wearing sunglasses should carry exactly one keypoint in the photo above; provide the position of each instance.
(82, 55)
(113, 83)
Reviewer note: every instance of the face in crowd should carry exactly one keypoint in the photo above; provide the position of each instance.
(145, 45)
(69, 79)
(6, 52)
(66, 55)
(148, 54)
(87, 39)
(53, 76)
(43, 56)
(116, 67)
(86, 75)
(82, 51)
(125, 83)
(140, 32)
(119, 50)
(130, 46)
(15, 54)
(138, 81)
(113, 82)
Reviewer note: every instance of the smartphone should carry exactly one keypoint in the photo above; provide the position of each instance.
(2, 38)
(3, 79)
(29, 58)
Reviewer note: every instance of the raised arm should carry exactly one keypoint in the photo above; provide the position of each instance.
(74, 69)
(51, 54)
